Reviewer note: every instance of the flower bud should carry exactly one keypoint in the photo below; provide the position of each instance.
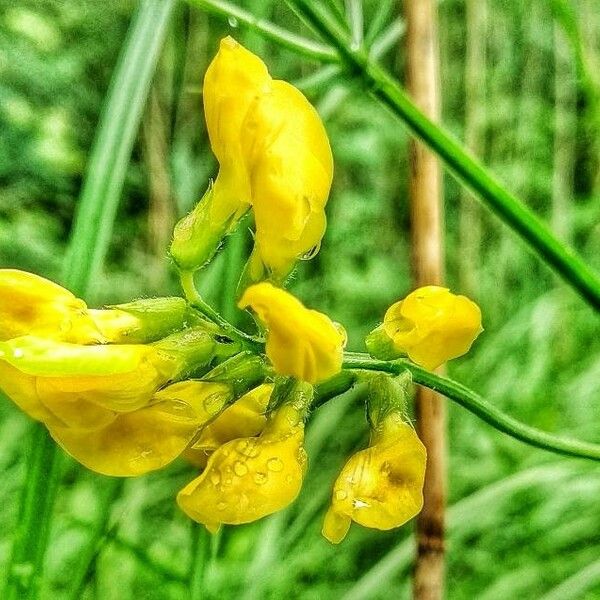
(141, 321)
(431, 325)
(380, 487)
(147, 439)
(249, 478)
(301, 343)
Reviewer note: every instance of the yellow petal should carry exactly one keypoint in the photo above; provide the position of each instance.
(149, 438)
(244, 418)
(335, 526)
(291, 169)
(30, 304)
(301, 343)
(433, 325)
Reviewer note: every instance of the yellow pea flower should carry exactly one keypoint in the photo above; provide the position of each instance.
(147, 439)
(244, 418)
(431, 325)
(301, 343)
(30, 304)
(249, 478)
(380, 487)
(232, 83)
(84, 386)
(273, 154)
(291, 173)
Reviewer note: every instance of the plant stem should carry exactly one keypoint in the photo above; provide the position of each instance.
(282, 36)
(537, 235)
(196, 301)
(466, 398)
(425, 195)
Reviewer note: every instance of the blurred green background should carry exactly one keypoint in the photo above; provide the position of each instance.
(520, 83)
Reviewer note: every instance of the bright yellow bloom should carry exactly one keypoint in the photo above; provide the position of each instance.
(30, 304)
(301, 343)
(249, 478)
(380, 487)
(232, 84)
(291, 170)
(244, 418)
(84, 386)
(432, 325)
(273, 155)
(147, 439)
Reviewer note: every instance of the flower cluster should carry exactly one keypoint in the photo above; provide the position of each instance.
(127, 389)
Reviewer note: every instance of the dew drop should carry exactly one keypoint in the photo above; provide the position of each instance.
(360, 504)
(18, 353)
(215, 478)
(260, 478)
(289, 479)
(213, 403)
(221, 505)
(311, 253)
(240, 469)
(145, 453)
(233, 22)
(274, 464)
(340, 494)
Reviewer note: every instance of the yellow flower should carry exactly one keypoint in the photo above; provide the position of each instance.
(432, 325)
(273, 155)
(84, 386)
(291, 172)
(147, 439)
(244, 418)
(301, 343)
(232, 83)
(30, 304)
(380, 487)
(249, 478)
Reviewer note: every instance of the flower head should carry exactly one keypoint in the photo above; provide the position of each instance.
(431, 325)
(249, 478)
(380, 487)
(301, 343)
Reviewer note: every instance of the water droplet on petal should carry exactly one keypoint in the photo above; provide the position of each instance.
(240, 469)
(221, 505)
(340, 494)
(274, 464)
(215, 478)
(18, 353)
(213, 403)
(289, 479)
(260, 478)
(360, 504)
(233, 22)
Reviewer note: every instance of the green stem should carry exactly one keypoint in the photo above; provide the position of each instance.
(271, 31)
(565, 262)
(196, 301)
(466, 398)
